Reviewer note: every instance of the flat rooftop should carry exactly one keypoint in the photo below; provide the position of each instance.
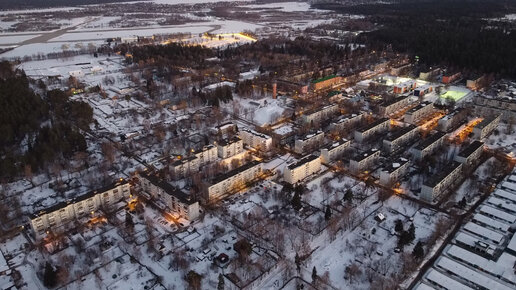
(486, 121)
(235, 171)
(361, 156)
(399, 133)
(419, 107)
(395, 165)
(429, 141)
(436, 178)
(302, 161)
(372, 125)
(156, 180)
(466, 152)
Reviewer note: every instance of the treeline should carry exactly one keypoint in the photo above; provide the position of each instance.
(36, 131)
(214, 97)
(24, 4)
(171, 54)
(448, 32)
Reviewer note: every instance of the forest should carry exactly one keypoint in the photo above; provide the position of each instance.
(448, 32)
(24, 4)
(36, 131)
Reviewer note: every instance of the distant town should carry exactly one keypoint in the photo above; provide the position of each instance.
(252, 158)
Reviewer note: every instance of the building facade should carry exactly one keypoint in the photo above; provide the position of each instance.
(364, 160)
(400, 138)
(179, 203)
(301, 169)
(471, 153)
(453, 120)
(309, 142)
(377, 127)
(234, 180)
(255, 139)
(392, 173)
(320, 114)
(418, 113)
(346, 122)
(63, 215)
(208, 154)
(405, 87)
(184, 167)
(230, 147)
(484, 128)
(335, 150)
(428, 146)
(442, 180)
(388, 108)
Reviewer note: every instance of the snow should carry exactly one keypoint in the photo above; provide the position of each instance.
(484, 232)
(491, 211)
(505, 194)
(14, 39)
(284, 6)
(445, 281)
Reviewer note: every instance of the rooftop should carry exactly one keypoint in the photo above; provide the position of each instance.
(302, 161)
(439, 176)
(487, 121)
(430, 140)
(156, 180)
(235, 171)
(419, 107)
(394, 101)
(466, 152)
(226, 142)
(361, 156)
(372, 125)
(79, 198)
(323, 79)
(395, 165)
(399, 133)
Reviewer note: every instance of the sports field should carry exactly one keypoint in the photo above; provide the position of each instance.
(454, 95)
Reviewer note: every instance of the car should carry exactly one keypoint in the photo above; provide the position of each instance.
(397, 250)
(181, 225)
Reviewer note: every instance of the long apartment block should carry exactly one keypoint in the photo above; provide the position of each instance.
(63, 215)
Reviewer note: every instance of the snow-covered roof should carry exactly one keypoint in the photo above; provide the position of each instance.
(484, 232)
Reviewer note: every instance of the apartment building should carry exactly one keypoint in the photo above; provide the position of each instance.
(429, 74)
(230, 147)
(400, 138)
(418, 113)
(301, 169)
(394, 171)
(388, 108)
(326, 82)
(320, 114)
(428, 146)
(423, 90)
(363, 161)
(309, 142)
(176, 201)
(484, 128)
(405, 87)
(335, 150)
(224, 129)
(234, 180)
(367, 131)
(450, 76)
(471, 153)
(476, 82)
(207, 154)
(400, 69)
(64, 215)
(346, 122)
(434, 186)
(453, 120)
(184, 167)
(255, 139)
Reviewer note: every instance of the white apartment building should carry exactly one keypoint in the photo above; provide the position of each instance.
(392, 173)
(301, 169)
(227, 148)
(405, 87)
(428, 146)
(388, 108)
(453, 119)
(346, 122)
(184, 167)
(309, 142)
(320, 114)
(224, 128)
(484, 128)
(439, 182)
(255, 139)
(471, 153)
(377, 127)
(63, 215)
(208, 154)
(400, 138)
(333, 151)
(364, 160)
(179, 203)
(234, 180)
(418, 113)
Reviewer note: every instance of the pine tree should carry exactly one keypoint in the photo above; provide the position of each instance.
(296, 201)
(398, 227)
(327, 214)
(418, 252)
(411, 233)
(348, 196)
(314, 274)
(50, 276)
(220, 286)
